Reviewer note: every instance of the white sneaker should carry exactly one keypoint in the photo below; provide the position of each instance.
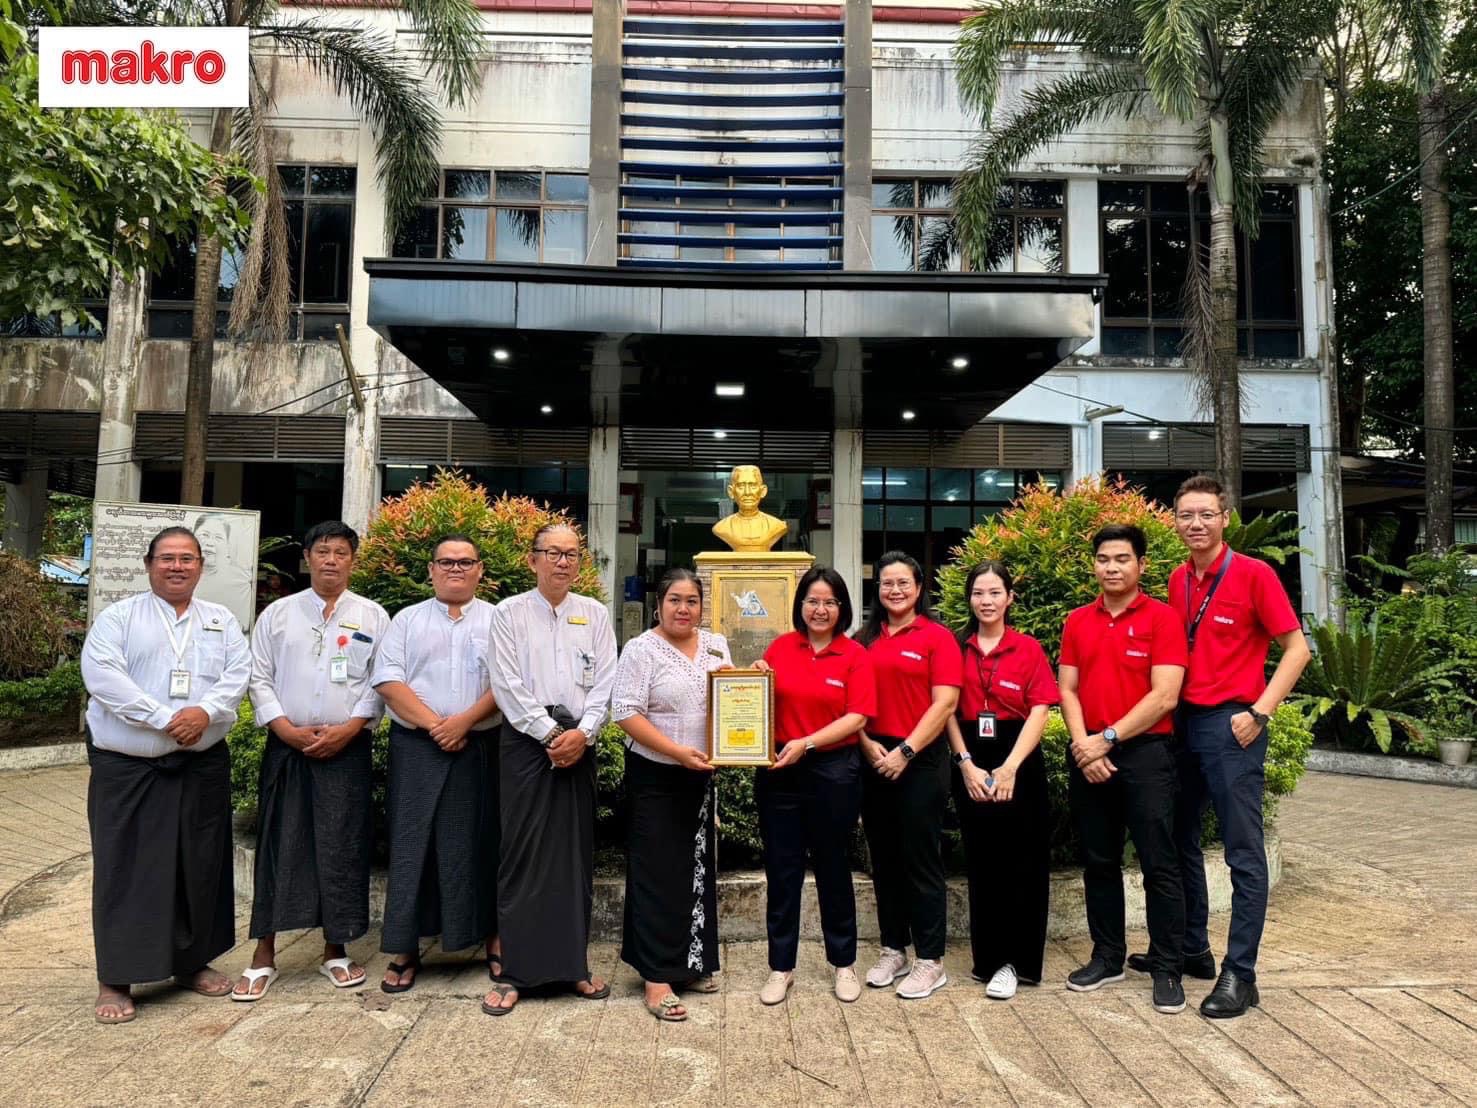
(890, 966)
(1002, 986)
(776, 987)
(926, 977)
(848, 988)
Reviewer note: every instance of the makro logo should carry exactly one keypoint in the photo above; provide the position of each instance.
(144, 67)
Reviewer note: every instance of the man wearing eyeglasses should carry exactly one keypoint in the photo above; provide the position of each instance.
(312, 659)
(441, 796)
(164, 672)
(553, 667)
(1233, 607)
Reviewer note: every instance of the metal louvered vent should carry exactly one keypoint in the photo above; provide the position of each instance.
(472, 442)
(1191, 446)
(240, 438)
(48, 434)
(698, 448)
(987, 445)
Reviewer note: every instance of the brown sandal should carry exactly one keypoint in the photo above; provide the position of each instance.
(503, 992)
(662, 1009)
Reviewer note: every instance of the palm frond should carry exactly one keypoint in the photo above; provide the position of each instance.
(451, 31)
(1104, 28)
(385, 88)
(1045, 113)
(1421, 24)
(1173, 51)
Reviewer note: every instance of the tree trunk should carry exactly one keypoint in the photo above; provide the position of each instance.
(1440, 406)
(202, 339)
(1224, 370)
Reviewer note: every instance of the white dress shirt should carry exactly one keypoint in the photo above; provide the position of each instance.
(656, 680)
(544, 656)
(292, 652)
(443, 660)
(126, 665)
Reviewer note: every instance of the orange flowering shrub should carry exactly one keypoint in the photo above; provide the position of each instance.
(393, 566)
(1045, 541)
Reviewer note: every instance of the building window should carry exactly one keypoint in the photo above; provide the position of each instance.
(504, 215)
(31, 326)
(913, 227)
(928, 512)
(747, 219)
(1146, 237)
(319, 207)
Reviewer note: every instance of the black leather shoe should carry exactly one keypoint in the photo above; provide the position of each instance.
(1200, 965)
(1092, 976)
(1169, 994)
(1231, 997)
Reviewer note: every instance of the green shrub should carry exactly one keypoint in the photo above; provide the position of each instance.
(1044, 540)
(394, 558)
(57, 692)
(33, 630)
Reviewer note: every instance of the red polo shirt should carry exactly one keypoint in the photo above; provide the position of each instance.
(1009, 681)
(815, 688)
(908, 664)
(1114, 654)
(1248, 611)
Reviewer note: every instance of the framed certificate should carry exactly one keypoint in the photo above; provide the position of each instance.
(741, 717)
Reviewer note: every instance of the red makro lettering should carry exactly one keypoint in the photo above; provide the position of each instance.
(147, 66)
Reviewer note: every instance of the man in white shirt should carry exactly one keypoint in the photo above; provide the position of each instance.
(441, 797)
(312, 660)
(165, 673)
(553, 668)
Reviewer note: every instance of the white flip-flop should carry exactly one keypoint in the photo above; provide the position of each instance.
(327, 968)
(252, 977)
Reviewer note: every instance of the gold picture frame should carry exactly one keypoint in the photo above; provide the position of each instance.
(741, 717)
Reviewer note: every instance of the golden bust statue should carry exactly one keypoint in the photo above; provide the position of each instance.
(749, 528)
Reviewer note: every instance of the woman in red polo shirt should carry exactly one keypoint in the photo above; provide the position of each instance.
(1000, 789)
(808, 800)
(905, 781)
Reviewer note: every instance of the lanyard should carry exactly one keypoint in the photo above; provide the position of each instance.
(177, 645)
(1194, 624)
(988, 682)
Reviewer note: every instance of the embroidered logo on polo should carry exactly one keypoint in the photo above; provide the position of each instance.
(912, 654)
(1137, 653)
(835, 682)
(1011, 685)
(1227, 620)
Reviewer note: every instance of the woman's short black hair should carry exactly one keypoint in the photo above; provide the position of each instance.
(826, 576)
(877, 615)
(1122, 532)
(670, 578)
(989, 565)
(331, 529)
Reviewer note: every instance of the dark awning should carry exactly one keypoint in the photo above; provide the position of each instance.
(600, 346)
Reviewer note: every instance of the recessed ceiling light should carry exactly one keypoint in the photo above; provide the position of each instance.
(720, 434)
(499, 355)
(909, 413)
(547, 409)
(728, 390)
(959, 361)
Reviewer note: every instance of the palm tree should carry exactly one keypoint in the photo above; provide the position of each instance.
(1228, 66)
(386, 87)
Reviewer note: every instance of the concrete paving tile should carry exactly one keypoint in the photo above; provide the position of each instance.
(887, 1051)
(556, 1052)
(1025, 1068)
(756, 1038)
(623, 1050)
(1072, 1030)
(960, 1070)
(687, 1067)
(829, 1068)
(1312, 1074)
(1428, 1023)
(1242, 1077)
(452, 1054)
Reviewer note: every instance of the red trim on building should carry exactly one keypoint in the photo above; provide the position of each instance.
(734, 8)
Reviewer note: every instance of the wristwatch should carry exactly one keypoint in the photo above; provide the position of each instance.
(1260, 717)
(1110, 735)
(960, 759)
(809, 746)
(907, 750)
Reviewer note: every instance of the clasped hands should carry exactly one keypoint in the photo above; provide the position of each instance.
(889, 764)
(1091, 755)
(567, 749)
(324, 740)
(984, 786)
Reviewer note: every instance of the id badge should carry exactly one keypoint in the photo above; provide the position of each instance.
(587, 673)
(987, 725)
(179, 684)
(338, 669)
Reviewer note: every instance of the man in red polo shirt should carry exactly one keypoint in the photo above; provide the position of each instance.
(1232, 606)
(1122, 660)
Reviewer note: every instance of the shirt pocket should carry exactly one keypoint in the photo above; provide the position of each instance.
(475, 663)
(1138, 652)
(361, 658)
(210, 654)
(1225, 619)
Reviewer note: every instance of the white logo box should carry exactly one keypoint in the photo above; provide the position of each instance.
(144, 67)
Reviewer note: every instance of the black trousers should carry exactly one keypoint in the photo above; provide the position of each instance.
(904, 820)
(1139, 798)
(809, 809)
(1007, 851)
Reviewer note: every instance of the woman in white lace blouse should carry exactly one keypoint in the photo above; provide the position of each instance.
(670, 935)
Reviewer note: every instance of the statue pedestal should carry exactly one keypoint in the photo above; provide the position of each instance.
(750, 596)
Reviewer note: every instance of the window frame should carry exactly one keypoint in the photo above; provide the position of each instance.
(1199, 218)
(1014, 212)
(492, 204)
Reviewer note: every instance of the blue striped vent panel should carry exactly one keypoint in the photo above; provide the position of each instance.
(731, 144)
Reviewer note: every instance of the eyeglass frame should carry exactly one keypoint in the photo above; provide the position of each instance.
(559, 557)
(446, 565)
(1205, 516)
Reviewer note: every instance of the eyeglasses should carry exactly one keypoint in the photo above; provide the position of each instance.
(895, 586)
(829, 605)
(185, 561)
(1206, 516)
(558, 557)
(450, 564)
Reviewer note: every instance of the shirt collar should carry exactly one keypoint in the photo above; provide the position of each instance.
(167, 609)
(1006, 644)
(918, 622)
(445, 610)
(316, 604)
(543, 602)
(832, 647)
(1101, 604)
(1212, 569)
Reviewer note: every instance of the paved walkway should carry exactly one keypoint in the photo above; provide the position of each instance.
(1369, 992)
